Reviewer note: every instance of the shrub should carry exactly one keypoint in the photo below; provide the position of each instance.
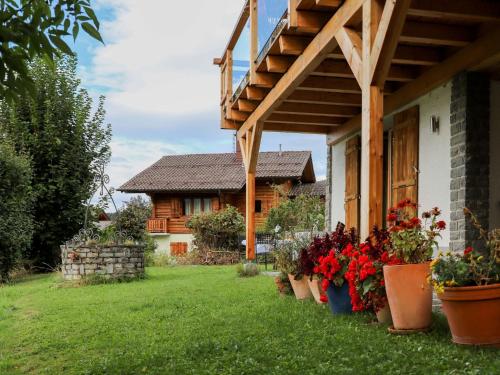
(247, 269)
(133, 218)
(16, 225)
(217, 230)
(161, 260)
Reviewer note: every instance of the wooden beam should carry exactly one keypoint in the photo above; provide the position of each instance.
(324, 97)
(305, 64)
(238, 28)
(331, 84)
(296, 128)
(292, 13)
(254, 39)
(278, 64)
(436, 34)
(250, 215)
(310, 22)
(229, 124)
(247, 105)
(292, 45)
(266, 80)
(256, 93)
(318, 109)
(337, 68)
(237, 116)
(386, 40)
(457, 10)
(350, 43)
(329, 3)
(306, 119)
(372, 131)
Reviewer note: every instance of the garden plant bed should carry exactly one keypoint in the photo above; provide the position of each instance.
(206, 320)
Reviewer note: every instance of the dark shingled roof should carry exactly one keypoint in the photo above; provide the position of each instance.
(212, 172)
(315, 188)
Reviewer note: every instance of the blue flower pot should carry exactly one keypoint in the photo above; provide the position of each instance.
(339, 299)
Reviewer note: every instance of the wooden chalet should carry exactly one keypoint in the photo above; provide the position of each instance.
(404, 90)
(183, 185)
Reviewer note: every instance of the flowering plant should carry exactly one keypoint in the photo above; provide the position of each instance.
(365, 271)
(472, 267)
(309, 257)
(413, 241)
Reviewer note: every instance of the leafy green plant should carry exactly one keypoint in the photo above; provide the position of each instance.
(16, 221)
(217, 230)
(247, 269)
(287, 254)
(472, 267)
(37, 28)
(133, 218)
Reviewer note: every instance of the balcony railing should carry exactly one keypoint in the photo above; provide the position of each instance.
(241, 58)
(158, 225)
(271, 14)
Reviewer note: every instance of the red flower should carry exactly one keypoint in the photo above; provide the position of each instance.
(441, 225)
(416, 221)
(382, 282)
(392, 217)
(323, 298)
(324, 284)
(468, 250)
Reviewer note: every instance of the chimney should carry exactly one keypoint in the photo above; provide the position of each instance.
(280, 153)
(239, 156)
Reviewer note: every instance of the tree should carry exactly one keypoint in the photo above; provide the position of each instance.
(67, 143)
(16, 224)
(133, 218)
(36, 28)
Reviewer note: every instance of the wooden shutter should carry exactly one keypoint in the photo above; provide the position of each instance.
(404, 171)
(178, 248)
(176, 207)
(352, 182)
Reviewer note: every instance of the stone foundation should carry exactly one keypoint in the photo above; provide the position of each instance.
(112, 262)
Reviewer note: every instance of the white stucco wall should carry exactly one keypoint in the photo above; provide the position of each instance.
(338, 183)
(434, 159)
(163, 241)
(495, 155)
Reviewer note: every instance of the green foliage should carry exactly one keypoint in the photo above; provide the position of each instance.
(133, 218)
(67, 142)
(16, 224)
(206, 320)
(161, 260)
(305, 213)
(286, 255)
(217, 230)
(37, 28)
(247, 269)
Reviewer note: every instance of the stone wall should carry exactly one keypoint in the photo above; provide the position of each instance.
(116, 261)
(470, 117)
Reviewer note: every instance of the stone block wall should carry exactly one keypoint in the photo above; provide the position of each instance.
(116, 261)
(470, 164)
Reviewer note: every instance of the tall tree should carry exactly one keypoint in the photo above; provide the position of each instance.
(37, 28)
(67, 143)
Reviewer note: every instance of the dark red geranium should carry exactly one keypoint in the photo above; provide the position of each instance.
(468, 250)
(441, 225)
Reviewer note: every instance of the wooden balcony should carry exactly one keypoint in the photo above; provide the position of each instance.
(158, 225)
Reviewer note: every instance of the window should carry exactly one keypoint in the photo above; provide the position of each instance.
(258, 206)
(207, 204)
(187, 207)
(197, 206)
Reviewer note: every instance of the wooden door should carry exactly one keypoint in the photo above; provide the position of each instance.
(404, 171)
(352, 182)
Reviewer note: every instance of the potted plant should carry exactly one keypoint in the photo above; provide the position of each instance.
(283, 284)
(333, 267)
(286, 256)
(365, 275)
(468, 285)
(412, 244)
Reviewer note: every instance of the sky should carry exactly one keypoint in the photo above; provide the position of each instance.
(161, 88)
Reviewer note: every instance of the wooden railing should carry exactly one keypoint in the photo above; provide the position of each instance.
(158, 225)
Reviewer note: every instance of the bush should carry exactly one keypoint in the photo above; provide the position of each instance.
(133, 218)
(16, 222)
(217, 231)
(247, 269)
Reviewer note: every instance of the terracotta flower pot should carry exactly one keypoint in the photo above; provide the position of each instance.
(384, 315)
(315, 287)
(300, 287)
(473, 314)
(409, 295)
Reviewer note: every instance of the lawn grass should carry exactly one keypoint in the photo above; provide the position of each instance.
(205, 320)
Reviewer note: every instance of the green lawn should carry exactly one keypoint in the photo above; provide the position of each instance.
(205, 320)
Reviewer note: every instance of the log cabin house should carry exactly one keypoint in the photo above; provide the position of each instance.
(182, 185)
(407, 93)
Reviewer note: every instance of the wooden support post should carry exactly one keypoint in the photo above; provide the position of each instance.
(372, 129)
(250, 216)
(254, 40)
